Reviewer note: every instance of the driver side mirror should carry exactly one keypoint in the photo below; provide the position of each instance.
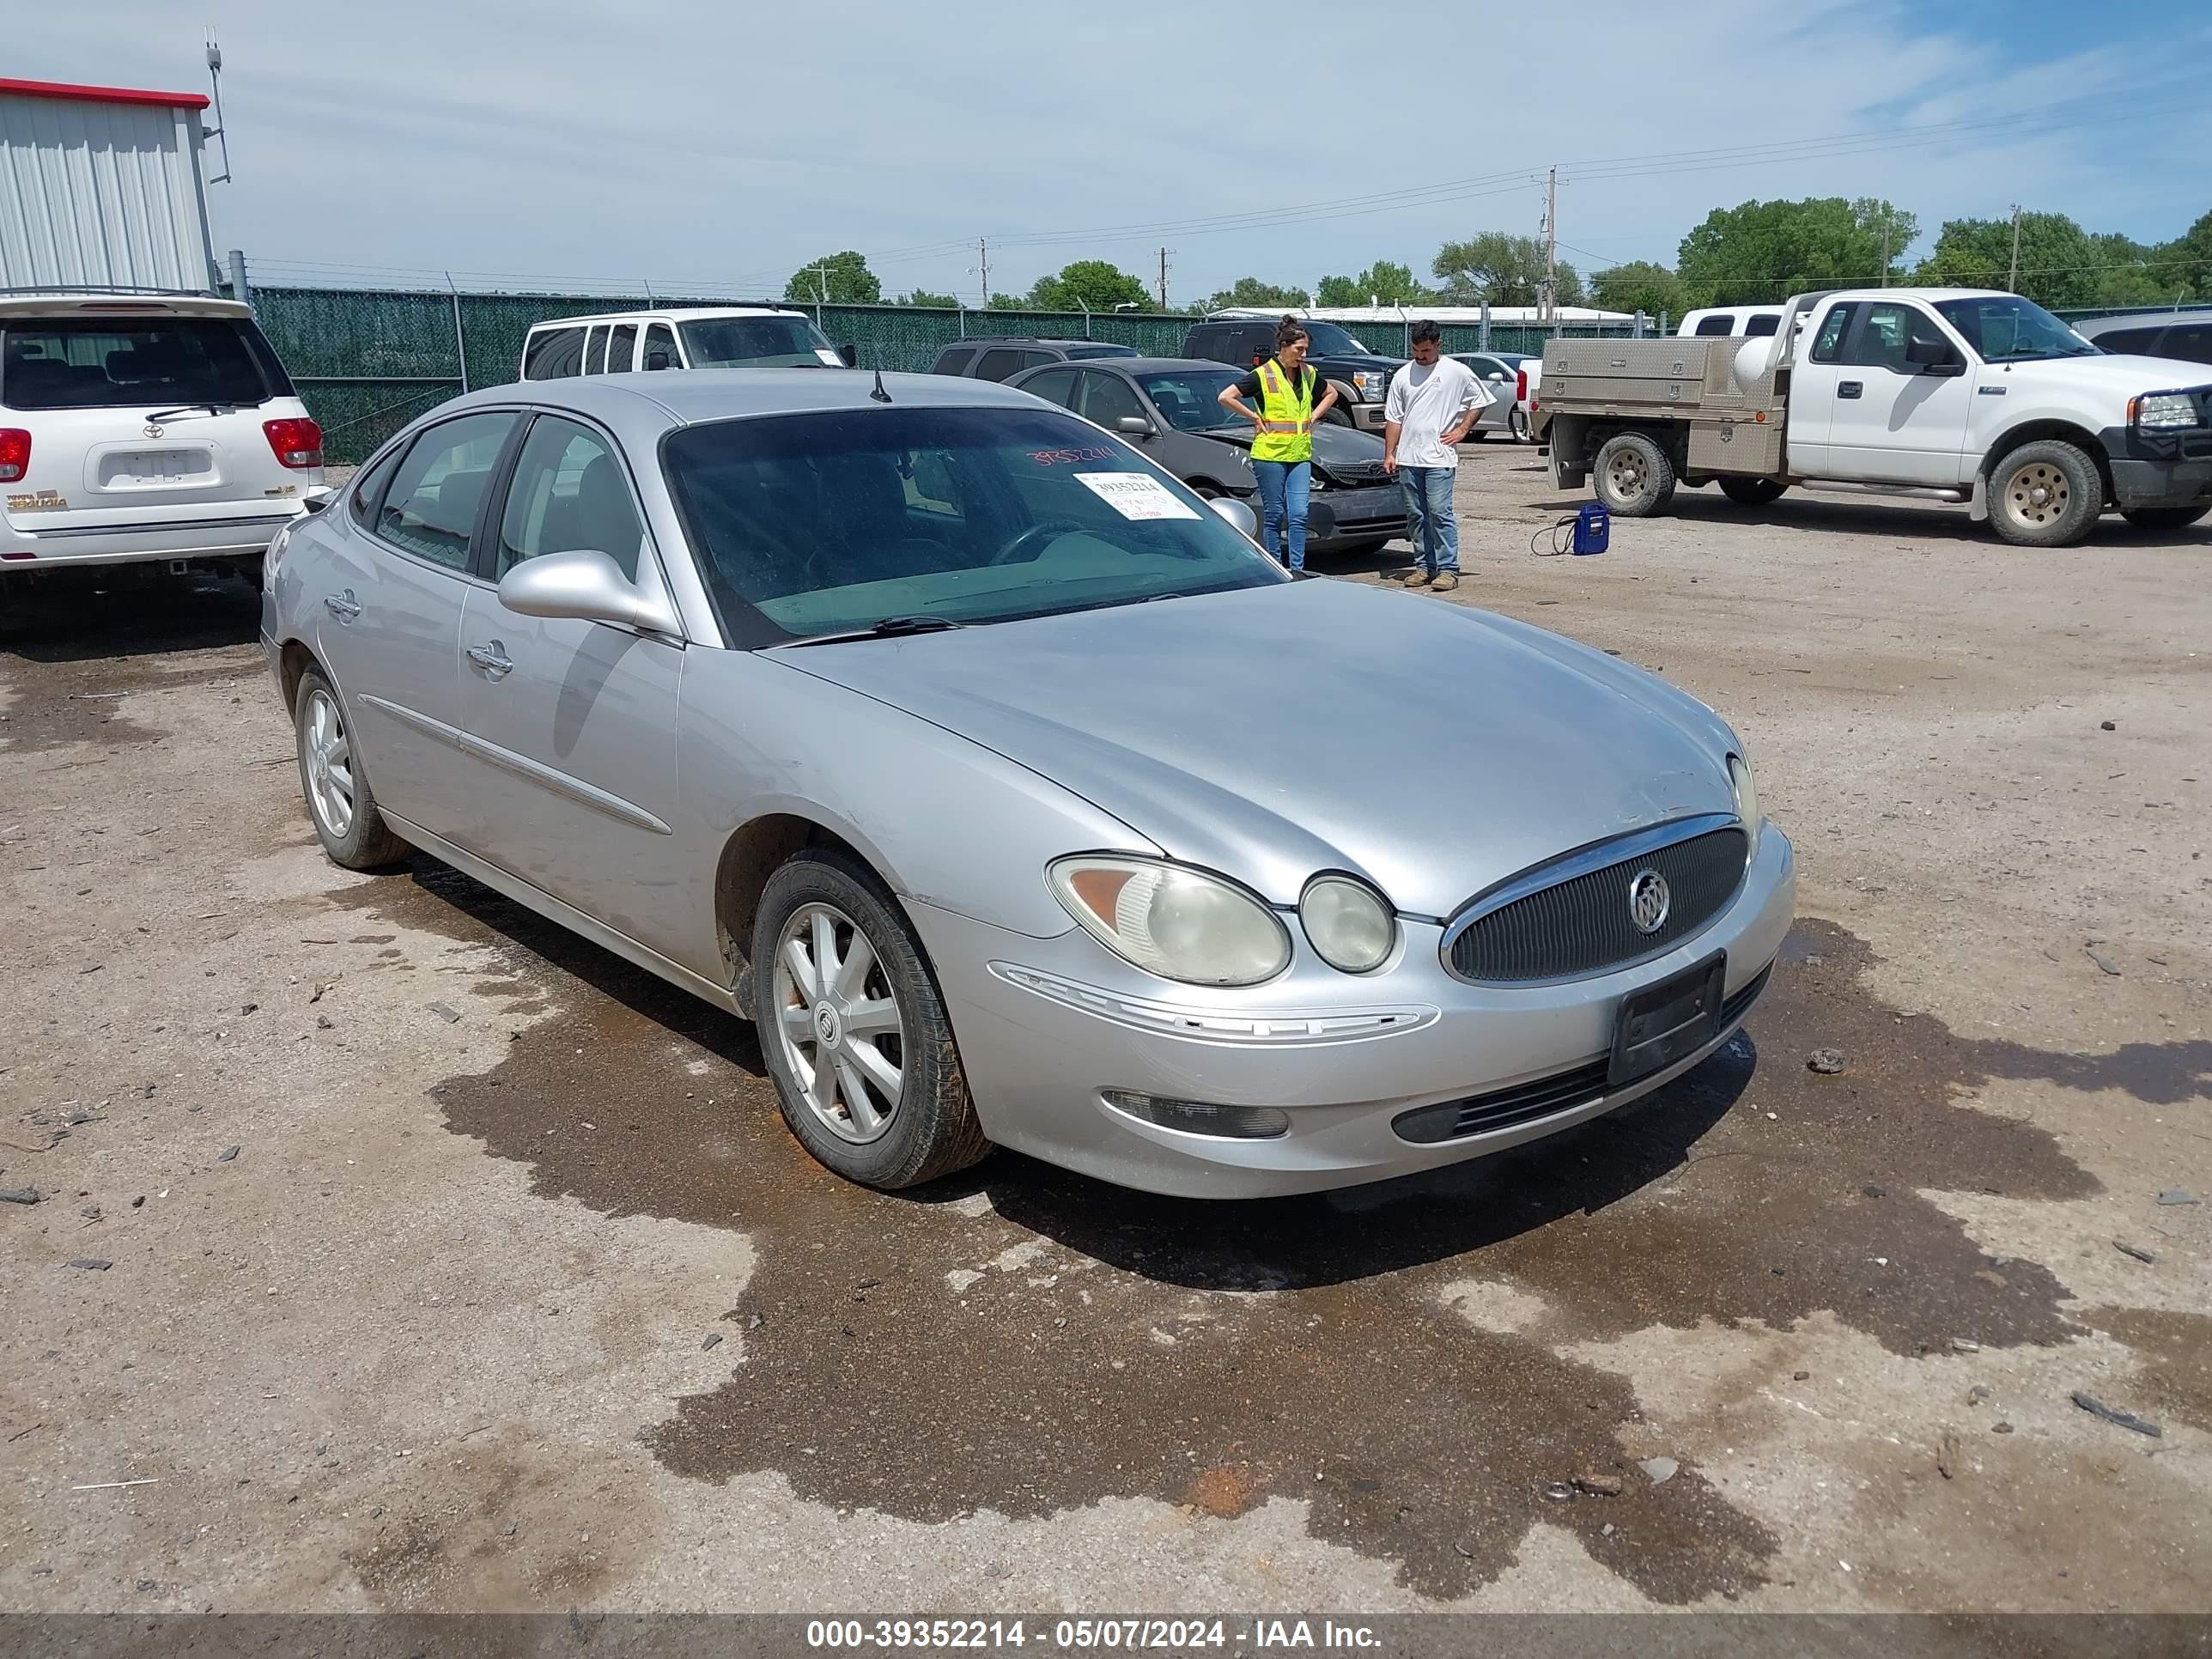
(659, 358)
(849, 356)
(1934, 357)
(1236, 515)
(1136, 426)
(585, 585)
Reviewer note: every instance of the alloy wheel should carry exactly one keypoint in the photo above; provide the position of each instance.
(329, 758)
(839, 1021)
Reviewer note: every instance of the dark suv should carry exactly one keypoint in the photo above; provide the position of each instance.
(1360, 377)
(997, 360)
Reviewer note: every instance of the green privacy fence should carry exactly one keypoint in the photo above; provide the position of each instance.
(368, 361)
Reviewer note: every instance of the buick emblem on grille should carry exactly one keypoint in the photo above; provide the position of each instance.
(1649, 900)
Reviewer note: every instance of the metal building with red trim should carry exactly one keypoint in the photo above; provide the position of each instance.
(102, 187)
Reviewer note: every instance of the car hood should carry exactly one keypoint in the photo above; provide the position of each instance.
(1337, 449)
(1274, 733)
(2115, 377)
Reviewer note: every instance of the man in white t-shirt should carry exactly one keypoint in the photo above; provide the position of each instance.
(1432, 403)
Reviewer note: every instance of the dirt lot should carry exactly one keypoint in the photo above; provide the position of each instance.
(451, 1263)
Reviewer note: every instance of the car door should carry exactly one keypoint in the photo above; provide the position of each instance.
(1813, 383)
(1895, 420)
(390, 626)
(574, 722)
(1054, 385)
(1105, 399)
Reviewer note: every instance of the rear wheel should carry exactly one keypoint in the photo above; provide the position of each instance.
(1633, 477)
(2166, 518)
(2045, 494)
(1516, 422)
(339, 801)
(1751, 492)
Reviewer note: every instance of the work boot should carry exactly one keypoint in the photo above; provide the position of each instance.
(1444, 583)
(1417, 577)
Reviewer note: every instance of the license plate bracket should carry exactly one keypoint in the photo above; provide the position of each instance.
(1663, 1023)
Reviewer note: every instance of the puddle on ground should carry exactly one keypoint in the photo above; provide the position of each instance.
(928, 1357)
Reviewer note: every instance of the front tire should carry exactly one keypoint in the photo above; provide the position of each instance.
(1633, 477)
(2164, 517)
(1751, 492)
(1336, 417)
(2045, 494)
(340, 803)
(854, 1030)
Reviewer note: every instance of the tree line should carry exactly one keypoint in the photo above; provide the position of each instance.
(1756, 252)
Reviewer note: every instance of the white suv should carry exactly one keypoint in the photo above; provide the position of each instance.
(699, 337)
(141, 428)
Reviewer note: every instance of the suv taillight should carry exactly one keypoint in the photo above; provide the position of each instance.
(15, 453)
(1520, 385)
(297, 443)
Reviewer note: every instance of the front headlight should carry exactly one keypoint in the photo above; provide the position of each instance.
(1372, 383)
(1178, 923)
(2162, 410)
(1747, 795)
(1347, 922)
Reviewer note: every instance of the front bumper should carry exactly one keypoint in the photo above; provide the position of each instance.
(2159, 470)
(1045, 1026)
(1368, 417)
(1366, 512)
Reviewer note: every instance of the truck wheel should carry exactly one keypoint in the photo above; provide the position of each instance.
(1516, 422)
(2166, 518)
(1336, 417)
(1751, 492)
(1633, 476)
(2045, 494)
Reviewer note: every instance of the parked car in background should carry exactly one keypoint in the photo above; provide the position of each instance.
(1504, 375)
(696, 337)
(1361, 377)
(853, 709)
(1001, 360)
(1169, 409)
(138, 429)
(1720, 322)
(2185, 336)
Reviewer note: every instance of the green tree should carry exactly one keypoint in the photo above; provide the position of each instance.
(1765, 251)
(2188, 260)
(922, 296)
(1639, 285)
(1008, 302)
(845, 276)
(2056, 257)
(1095, 283)
(1251, 291)
(1384, 283)
(1502, 268)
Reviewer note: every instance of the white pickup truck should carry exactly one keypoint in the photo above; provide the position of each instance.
(1951, 394)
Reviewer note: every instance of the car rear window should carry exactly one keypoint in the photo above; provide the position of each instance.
(1717, 327)
(109, 363)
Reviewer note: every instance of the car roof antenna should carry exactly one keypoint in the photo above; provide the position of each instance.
(879, 394)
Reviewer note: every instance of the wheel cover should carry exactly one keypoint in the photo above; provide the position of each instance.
(838, 1020)
(2037, 494)
(327, 758)
(1627, 475)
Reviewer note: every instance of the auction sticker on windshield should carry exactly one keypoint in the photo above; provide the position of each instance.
(1134, 495)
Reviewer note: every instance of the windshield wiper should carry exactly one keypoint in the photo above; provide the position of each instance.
(889, 628)
(186, 409)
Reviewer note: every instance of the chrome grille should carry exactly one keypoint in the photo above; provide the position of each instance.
(1580, 923)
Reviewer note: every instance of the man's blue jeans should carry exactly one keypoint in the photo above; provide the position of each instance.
(1428, 522)
(1284, 489)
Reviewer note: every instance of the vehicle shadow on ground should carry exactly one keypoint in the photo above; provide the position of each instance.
(84, 616)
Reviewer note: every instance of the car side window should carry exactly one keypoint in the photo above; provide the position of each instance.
(660, 347)
(953, 360)
(1721, 326)
(1828, 347)
(1887, 329)
(554, 354)
(1106, 399)
(2189, 341)
(368, 487)
(569, 492)
(1055, 386)
(621, 344)
(997, 363)
(1758, 328)
(595, 350)
(431, 508)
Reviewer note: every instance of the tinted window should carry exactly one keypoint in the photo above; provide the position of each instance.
(815, 523)
(2124, 340)
(595, 351)
(2192, 342)
(1828, 346)
(569, 493)
(953, 360)
(1098, 349)
(621, 348)
(1722, 325)
(555, 355)
(1055, 386)
(776, 342)
(660, 347)
(370, 485)
(1189, 398)
(114, 363)
(1756, 328)
(431, 508)
(1106, 399)
(997, 363)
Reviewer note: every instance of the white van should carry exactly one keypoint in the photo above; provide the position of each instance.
(699, 337)
(1752, 322)
(143, 428)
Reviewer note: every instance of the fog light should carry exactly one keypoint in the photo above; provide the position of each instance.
(1196, 1117)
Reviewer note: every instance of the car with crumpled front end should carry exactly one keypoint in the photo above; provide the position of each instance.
(1008, 788)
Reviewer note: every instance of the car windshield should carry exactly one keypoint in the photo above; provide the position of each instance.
(1189, 398)
(114, 363)
(2003, 328)
(836, 521)
(756, 343)
(1330, 341)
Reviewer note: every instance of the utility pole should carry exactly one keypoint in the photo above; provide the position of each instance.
(2012, 282)
(1547, 312)
(1885, 250)
(983, 268)
(1164, 276)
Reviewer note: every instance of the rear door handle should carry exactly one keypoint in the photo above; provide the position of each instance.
(492, 659)
(343, 605)
(1849, 388)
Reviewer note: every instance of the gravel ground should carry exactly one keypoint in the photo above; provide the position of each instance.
(449, 1263)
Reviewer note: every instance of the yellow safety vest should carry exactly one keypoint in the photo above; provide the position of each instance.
(1285, 415)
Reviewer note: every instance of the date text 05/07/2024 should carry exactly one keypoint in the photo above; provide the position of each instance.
(1129, 1635)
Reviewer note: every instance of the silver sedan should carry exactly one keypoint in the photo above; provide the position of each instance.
(1008, 788)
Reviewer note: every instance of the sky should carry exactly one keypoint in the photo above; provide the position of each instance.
(716, 148)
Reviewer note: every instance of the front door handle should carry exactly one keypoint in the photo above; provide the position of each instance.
(1849, 388)
(492, 659)
(343, 605)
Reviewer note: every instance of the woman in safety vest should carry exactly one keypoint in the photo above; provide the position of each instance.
(1283, 388)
